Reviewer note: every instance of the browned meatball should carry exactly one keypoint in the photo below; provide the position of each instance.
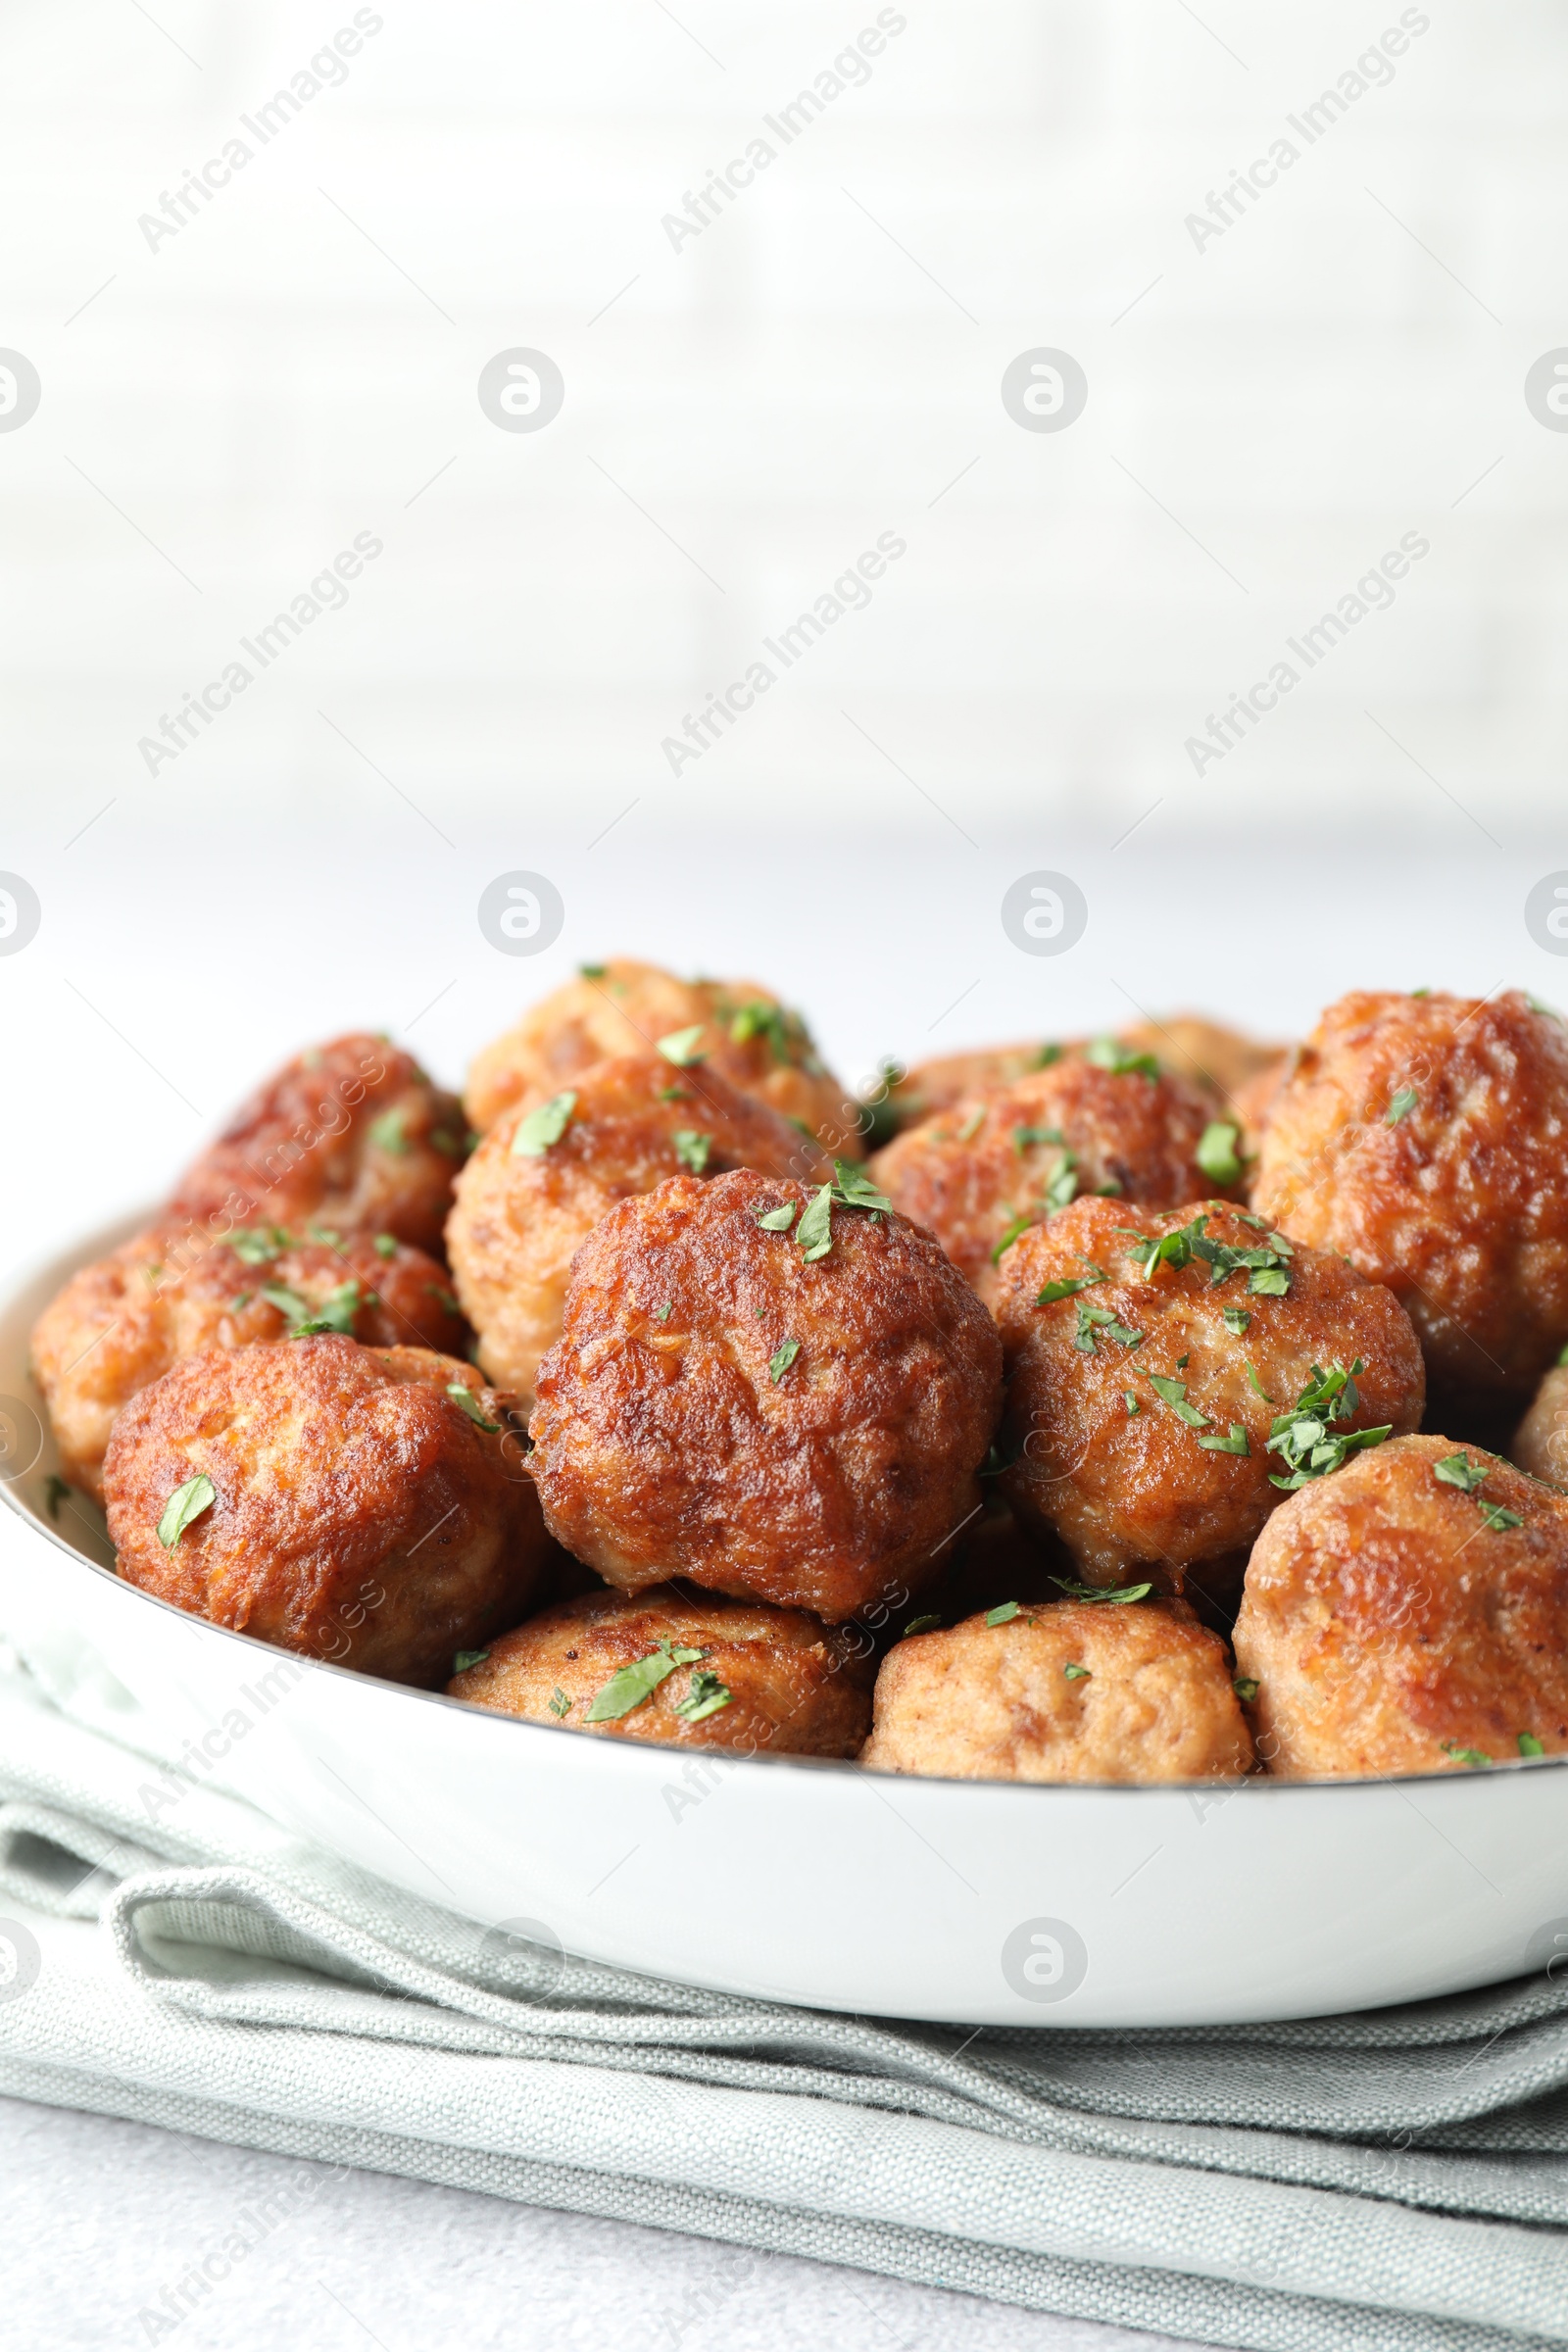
(761, 1388)
(986, 1170)
(348, 1507)
(916, 1094)
(1427, 1137)
(1075, 1690)
(695, 1673)
(1140, 1405)
(123, 1321)
(1409, 1614)
(350, 1135)
(742, 1032)
(1252, 1105)
(525, 1202)
(1541, 1442)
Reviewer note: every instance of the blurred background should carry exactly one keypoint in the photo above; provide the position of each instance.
(620, 335)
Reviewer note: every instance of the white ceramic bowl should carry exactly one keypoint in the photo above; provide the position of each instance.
(798, 1881)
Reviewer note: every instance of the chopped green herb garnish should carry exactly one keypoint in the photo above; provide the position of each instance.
(387, 1245)
(1077, 1673)
(1458, 1470)
(443, 1298)
(1174, 1394)
(1046, 1056)
(1023, 1137)
(972, 1125)
(1245, 1689)
(661, 1314)
(1216, 1151)
(336, 1312)
(639, 1681)
(1400, 1105)
(680, 1046)
(544, 1126)
(1235, 1443)
(853, 1188)
(240, 1300)
(1114, 1595)
(920, 1625)
(1094, 1320)
(777, 1220)
(259, 1245)
(1529, 1746)
(1182, 1362)
(1476, 1757)
(781, 1028)
(814, 1232)
(1563, 1356)
(1130, 1402)
(1106, 1054)
(1235, 1318)
(779, 1363)
(288, 1303)
(187, 1502)
(1067, 1286)
(1307, 1436)
(1265, 1264)
(1269, 1282)
(1061, 1185)
(1010, 1232)
(673, 1093)
(54, 1491)
(387, 1132)
(1257, 1386)
(464, 1658)
(705, 1697)
(1003, 1614)
(560, 1703)
(464, 1397)
(692, 1150)
(592, 972)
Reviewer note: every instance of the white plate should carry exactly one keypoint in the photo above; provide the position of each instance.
(800, 1881)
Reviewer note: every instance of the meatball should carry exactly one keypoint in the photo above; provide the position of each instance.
(740, 1031)
(1074, 1691)
(1541, 1442)
(983, 1172)
(759, 1387)
(350, 1135)
(916, 1094)
(1220, 1060)
(1427, 1137)
(123, 1321)
(693, 1673)
(1166, 1369)
(364, 1506)
(1409, 1614)
(542, 1177)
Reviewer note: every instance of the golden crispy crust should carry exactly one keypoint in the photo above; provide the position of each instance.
(1460, 1203)
(794, 1688)
(995, 1703)
(519, 1218)
(361, 1516)
(123, 1321)
(1385, 1623)
(1541, 1442)
(350, 1135)
(624, 1008)
(1137, 1490)
(1219, 1061)
(664, 1446)
(974, 1172)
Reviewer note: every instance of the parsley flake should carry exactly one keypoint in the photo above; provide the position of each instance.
(777, 1220)
(1116, 1596)
(1077, 1673)
(387, 1245)
(972, 1125)
(778, 1364)
(1235, 1443)
(544, 1126)
(560, 1703)
(1216, 1151)
(464, 1658)
(1245, 1689)
(1476, 1757)
(240, 1300)
(814, 1232)
(1010, 1232)
(464, 1397)
(1400, 1105)
(288, 1303)
(705, 1697)
(853, 1188)
(1067, 1286)
(1235, 1318)
(387, 1132)
(1529, 1746)
(187, 1502)
(922, 1625)
(1257, 1386)
(1107, 1053)
(1458, 1470)
(1174, 1394)
(1093, 1320)
(1130, 1401)
(54, 1491)
(1046, 1056)
(1061, 1185)
(1023, 1137)
(257, 1244)
(680, 1047)
(692, 1150)
(335, 1312)
(592, 972)
(661, 1314)
(1003, 1614)
(1306, 1436)
(639, 1681)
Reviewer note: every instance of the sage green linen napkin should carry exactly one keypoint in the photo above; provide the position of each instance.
(1396, 2182)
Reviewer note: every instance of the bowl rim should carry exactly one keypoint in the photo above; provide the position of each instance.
(1253, 1785)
